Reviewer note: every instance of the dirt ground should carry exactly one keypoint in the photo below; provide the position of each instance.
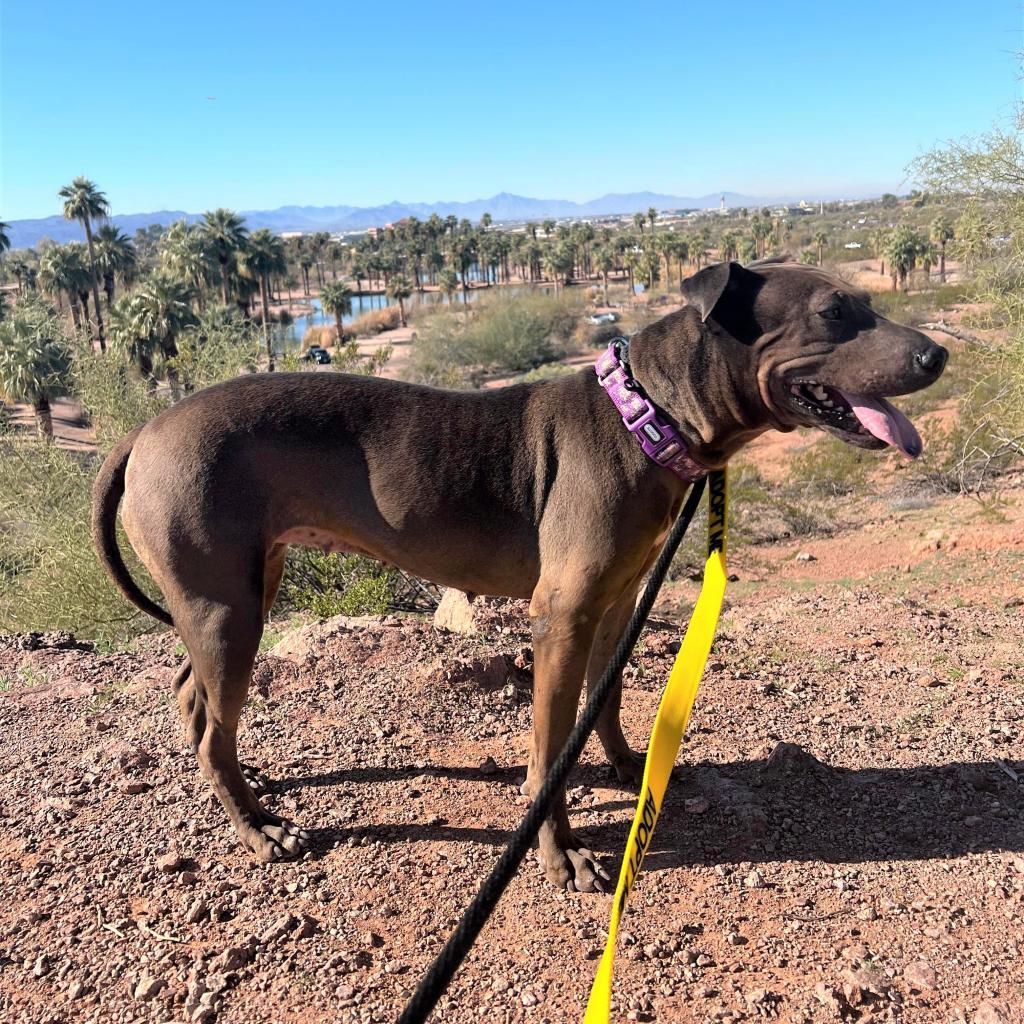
(844, 840)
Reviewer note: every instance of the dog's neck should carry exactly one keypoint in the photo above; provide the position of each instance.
(705, 380)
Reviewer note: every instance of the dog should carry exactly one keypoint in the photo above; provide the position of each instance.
(532, 491)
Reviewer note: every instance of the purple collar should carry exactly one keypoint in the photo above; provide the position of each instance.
(660, 441)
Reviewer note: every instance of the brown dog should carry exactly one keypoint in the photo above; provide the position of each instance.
(531, 491)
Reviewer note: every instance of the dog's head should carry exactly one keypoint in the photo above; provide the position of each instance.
(825, 358)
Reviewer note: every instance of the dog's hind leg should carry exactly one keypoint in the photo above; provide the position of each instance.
(222, 641)
(628, 764)
(273, 574)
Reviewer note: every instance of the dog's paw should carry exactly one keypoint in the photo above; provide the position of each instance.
(255, 780)
(575, 868)
(274, 838)
(629, 766)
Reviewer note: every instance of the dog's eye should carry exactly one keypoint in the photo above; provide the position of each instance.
(833, 312)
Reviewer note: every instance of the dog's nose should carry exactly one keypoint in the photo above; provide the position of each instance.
(932, 358)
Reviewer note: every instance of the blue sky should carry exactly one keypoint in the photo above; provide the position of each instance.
(362, 103)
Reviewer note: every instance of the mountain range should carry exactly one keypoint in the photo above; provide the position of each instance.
(502, 207)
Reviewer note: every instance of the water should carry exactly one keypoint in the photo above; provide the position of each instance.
(289, 336)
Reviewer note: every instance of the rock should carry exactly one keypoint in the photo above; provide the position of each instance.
(805, 556)
(865, 980)
(920, 974)
(455, 612)
(169, 863)
(827, 995)
(42, 966)
(279, 929)
(149, 988)
(308, 926)
(197, 912)
(529, 998)
(928, 680)
(234, 958)
(373, 940)
(990, 1011)
(696, 805)
(489, 766)
(755, 880)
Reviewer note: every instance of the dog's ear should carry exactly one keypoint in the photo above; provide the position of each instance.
(704, 289)
(726, 293)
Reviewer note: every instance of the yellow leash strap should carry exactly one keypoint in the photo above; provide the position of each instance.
(667, 734)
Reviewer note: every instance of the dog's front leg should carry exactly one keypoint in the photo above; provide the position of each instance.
(563, 633)
(627, 763)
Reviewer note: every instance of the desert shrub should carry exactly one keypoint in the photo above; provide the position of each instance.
(914, 308)
(548, 371)
(335, 584)
(374, 322)
(503, 334)
(50, 577)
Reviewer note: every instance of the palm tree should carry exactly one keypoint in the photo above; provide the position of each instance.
(639, 220)
(125, 337)
(5, 238)
(84, 202)
(820, 240)
(35, 362)
(62, 271)
(902, 250)
(162, 309)
(448, 282)
(115, 257)
(227, 235)
(264, 256)
(652, 216)
(399, 290)
(336, 297)
(186, 249)
(604, 260)
(942, 232)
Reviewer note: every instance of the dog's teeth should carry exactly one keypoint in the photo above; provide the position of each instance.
(820, 394)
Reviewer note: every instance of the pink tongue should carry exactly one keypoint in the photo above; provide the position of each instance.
(886, 422)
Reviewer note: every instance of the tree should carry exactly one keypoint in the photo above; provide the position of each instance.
(336, 298)
(639, 220)
(62, 271)
(448, 282)
(652, 216)
(162, 309)
(604, 260)
(941, 233)
(187, 250)
(820, 240)
(115, 257)
(35, 362)
(227, 235)
(902, 250)
(399, 290)
(264, 256)
(5, 238)
(84, 202)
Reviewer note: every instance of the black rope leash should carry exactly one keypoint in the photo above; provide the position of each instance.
(447, 962)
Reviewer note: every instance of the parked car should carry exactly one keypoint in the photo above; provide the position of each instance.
(317, 354)
(602, 318)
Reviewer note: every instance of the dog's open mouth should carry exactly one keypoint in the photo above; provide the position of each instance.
(857, 419)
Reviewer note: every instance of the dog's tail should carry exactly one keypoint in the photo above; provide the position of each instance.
(107, 492)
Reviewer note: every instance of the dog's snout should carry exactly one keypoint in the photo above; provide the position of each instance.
(931, 358)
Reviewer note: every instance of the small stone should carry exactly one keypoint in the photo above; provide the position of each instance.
(42, 966)
(827, 995)
(920, 974)
(991, 1012)
(529, 998)
(279, 929)
(149, 988)
(756, 996)
(234, 958)
(928, 680)
(806, 556)
(197, 912)
(134, 788)
(373, 940)
(696, 805)
(77, 989)
(755, 880)
(867, 914)
(169, 863)
(489, 766)
(308, 926)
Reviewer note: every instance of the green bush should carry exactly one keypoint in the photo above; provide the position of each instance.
(335, 584)
(504, 334)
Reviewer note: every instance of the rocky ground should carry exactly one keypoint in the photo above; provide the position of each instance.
(844, 841)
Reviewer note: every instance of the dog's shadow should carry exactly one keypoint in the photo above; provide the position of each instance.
(791, 808)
